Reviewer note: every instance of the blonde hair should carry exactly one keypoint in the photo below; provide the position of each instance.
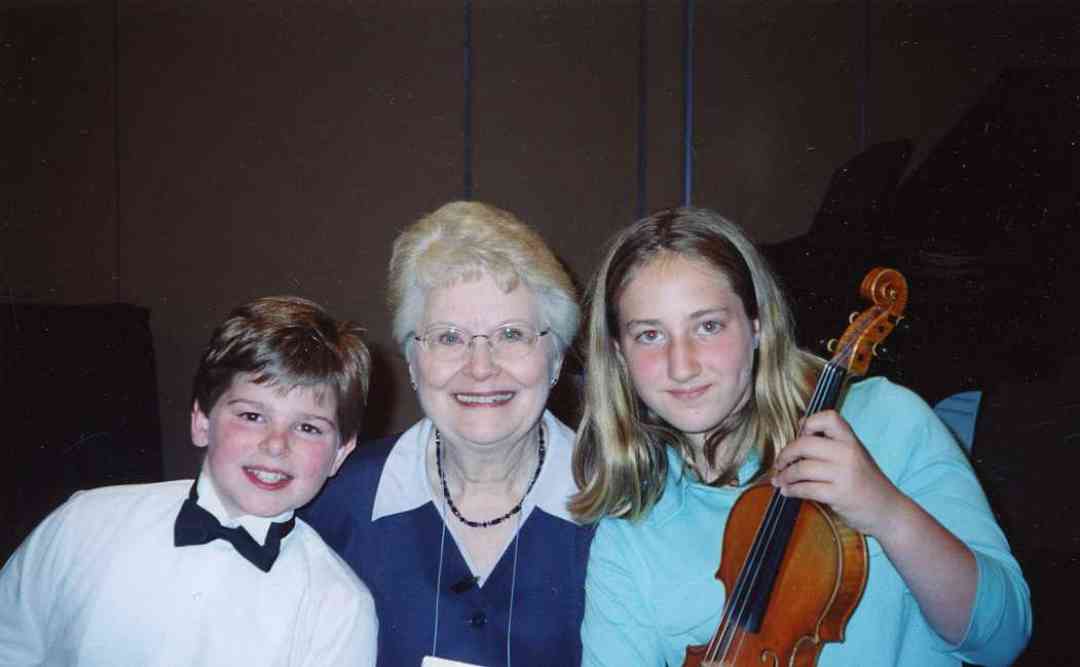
(462, 241)
(620, 458)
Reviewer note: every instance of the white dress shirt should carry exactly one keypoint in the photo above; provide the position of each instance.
(99, 583)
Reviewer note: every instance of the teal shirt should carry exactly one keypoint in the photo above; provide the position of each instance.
(651, 589)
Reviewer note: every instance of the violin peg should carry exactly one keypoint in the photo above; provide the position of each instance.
(884, 353)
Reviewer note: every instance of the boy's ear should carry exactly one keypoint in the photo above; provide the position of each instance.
(200, 426)
(342, 452)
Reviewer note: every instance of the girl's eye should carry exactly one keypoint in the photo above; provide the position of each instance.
(250, 416)
(648, 336)
(711, 327)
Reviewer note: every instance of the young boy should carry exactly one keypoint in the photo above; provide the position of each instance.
(215, 571)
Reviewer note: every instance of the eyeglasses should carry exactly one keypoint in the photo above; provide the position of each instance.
(507, 342)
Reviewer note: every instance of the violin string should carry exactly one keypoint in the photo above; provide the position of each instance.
(748, 576)
(773, 514)
(744, 583)
(721, 643)
(777, 504)
(735, 609)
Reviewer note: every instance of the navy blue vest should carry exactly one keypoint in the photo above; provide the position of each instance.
(398, 558)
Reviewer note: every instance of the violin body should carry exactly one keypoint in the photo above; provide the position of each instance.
(836, 554)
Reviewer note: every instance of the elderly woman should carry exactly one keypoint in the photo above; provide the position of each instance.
(460, 525)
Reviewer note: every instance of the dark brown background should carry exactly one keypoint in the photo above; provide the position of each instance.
(185, 157)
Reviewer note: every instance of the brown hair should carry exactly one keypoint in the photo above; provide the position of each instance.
(290, 342)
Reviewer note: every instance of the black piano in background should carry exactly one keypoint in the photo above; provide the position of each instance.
(986, 229)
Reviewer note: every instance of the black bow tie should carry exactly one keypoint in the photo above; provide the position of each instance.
(194, 525)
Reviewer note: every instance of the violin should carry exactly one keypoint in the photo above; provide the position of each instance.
(793, 571)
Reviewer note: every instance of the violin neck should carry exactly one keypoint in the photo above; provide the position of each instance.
(827, 391)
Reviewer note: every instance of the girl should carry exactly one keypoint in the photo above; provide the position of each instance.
(694, 390)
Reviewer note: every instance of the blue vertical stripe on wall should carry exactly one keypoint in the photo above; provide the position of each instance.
(643, 108)
(688, 100)
(466, 120)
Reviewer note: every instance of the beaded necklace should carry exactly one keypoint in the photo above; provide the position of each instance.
(513, 510)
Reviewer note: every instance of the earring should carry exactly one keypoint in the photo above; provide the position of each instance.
(756, 341)
(554, 379)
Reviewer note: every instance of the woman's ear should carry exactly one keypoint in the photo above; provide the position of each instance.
(556, 371)
(409, 353)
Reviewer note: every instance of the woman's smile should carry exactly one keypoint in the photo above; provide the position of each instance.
(485, 399)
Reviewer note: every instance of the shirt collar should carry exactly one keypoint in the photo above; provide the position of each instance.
(256, 526)
(403, 484)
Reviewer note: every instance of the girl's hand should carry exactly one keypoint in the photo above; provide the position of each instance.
(828, 464)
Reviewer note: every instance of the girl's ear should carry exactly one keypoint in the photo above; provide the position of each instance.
(200, 426)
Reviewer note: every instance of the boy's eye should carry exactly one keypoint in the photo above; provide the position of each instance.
(250, 416)
(310, 429)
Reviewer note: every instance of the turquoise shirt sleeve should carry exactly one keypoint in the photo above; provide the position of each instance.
(920, 455)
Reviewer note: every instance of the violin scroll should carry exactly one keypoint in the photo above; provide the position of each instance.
(887, 289)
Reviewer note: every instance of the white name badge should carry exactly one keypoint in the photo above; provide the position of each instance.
(429, 661)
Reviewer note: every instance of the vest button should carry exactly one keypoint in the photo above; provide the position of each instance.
(479, 619)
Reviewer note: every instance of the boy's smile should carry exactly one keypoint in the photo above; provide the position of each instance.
(269, 451)
(269, 479)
